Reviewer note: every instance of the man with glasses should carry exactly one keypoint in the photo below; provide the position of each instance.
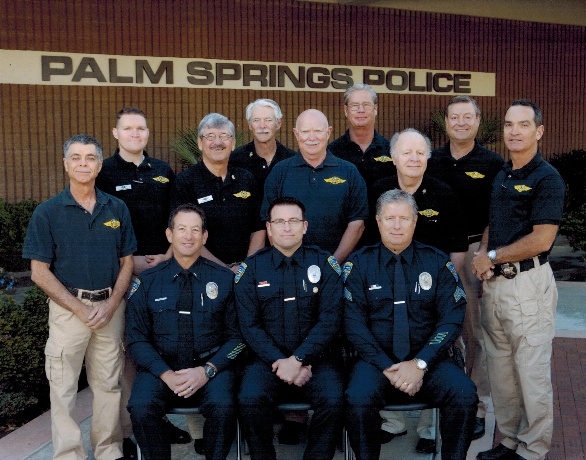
(332, 189)
(289, 303)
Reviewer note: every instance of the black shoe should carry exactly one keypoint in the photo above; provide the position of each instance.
(500, 452)
(291, 432)
(386, 437)
(198, 446)
(425, 446)
(478, 428)
(129, 449)
(177, 435)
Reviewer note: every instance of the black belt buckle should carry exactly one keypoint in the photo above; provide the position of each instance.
(508, 270)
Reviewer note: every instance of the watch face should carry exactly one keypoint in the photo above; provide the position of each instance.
(210, 372)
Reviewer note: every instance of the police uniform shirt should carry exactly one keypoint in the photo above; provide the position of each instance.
(373, 164)
(436, 303)
(318, 302)
(231, 207)
(152, 318)
(146, 190)
(83, 249)
(470, 177)
(440, 221)
(522, 198)
(245, 157)
(334, 194)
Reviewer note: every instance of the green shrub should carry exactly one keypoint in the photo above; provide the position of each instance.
(489, 131)
(14, 219)
(185, 145)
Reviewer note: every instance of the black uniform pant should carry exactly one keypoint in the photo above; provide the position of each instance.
(151, 397)
(445, 386)
(261, 390)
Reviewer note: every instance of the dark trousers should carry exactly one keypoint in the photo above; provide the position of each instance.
(261, 390)
(151, 397)
(445, 386)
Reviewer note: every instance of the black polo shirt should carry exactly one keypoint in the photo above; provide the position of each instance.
(522, 198)
(146, 190)
(440, 221)
(374, 164)
(246, 157)
(231, 207)
(334, 194)
(470, 177)
(83, 249)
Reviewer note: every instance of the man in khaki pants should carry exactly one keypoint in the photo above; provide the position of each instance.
(80, 243)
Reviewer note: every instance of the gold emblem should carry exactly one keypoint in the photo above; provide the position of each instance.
(112, 223)
(508, 270)
(242, 194)
(161, 179)
(428, 213)
(522, 188)
(212, 290)
(335, 180)
(383, 159)
(475, 174)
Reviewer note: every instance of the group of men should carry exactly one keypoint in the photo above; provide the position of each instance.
(242, 251)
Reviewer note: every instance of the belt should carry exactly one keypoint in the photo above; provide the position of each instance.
(474, 238)
(510, 269)
(208, 353)
(92, 296)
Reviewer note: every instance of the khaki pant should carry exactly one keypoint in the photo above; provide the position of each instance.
(518, 321)
(70, 341)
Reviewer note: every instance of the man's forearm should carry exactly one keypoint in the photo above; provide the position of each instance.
(123, 279)
(349, 240)
(538, 241)
(46, 280)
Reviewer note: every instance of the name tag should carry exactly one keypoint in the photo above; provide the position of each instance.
(123, 187)
(205, 199)
(374, 287)
(263, 284)
(185, 312)
(160, 299)
(288, 299)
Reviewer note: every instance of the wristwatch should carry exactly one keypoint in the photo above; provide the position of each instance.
(421, 365)
(492, 255)
(210, 371)
(299, 359)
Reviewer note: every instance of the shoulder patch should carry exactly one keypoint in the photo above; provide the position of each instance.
(134, 288)
(240, 272)
(383, 159)
(346, 270)
(347, 294)
(334, 180)
(522, 188)
(428, 212)
(112, 223)
(475, 174)
(242, 194)
(161, 179)
(452, 269)
(335, 265)
(459, 293)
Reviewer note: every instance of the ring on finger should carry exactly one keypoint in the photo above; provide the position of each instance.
(190, 389)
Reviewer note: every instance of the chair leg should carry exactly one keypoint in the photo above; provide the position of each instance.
(238, 441)
(138, 452)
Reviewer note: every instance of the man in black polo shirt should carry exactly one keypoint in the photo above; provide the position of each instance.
(264, 118)
(228, 195)
(519, 291)
(80, 243)
(469, 168)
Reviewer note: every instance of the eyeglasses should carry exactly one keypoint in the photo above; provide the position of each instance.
(212, 137)
(281, 222)
(355, 107)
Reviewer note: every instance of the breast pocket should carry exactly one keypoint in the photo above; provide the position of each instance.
(165, 322)
(380, 302)
(422, 306)
(308, 306)
(271, 302)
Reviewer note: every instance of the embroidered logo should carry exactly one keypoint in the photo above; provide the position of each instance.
(347, 294)
(161, 179)
(134, 288)
(335, 180)
(459, 293)
(346, 270)
(242, 194)
(522, 188)
(439, 338)
(240, 272)
(475, 175)
(112, 223)
(335, 265)
(452, 269)
(383, 159)
(428, 213)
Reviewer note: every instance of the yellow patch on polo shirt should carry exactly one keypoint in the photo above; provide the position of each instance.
(383, 159)
(522, 188)
(335, 180)
(161, 179)
(242, 194)
(112, 223)
(475, 175)
(428, 213)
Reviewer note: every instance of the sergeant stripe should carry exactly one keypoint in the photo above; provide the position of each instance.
(236, 351)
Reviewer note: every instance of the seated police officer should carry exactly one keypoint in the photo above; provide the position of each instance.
(183, 335)
(404, 309)
(289, 301)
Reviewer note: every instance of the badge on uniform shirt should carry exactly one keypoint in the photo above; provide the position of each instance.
(334, 180)
(112, 223)
(522, 188)
(475, 174)
(242, 194)
(346, 270)
(240, 272)
(452, 269)
(428, 212)
(335, 265)
(212, 290)
(161, 179)
(123, 187)
(314, 273)
(425, 281)
(383, 159)
(205, 199)
(134, 288)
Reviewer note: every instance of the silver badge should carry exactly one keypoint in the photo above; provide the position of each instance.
(314, 273)
(212, 290)
(425, 281)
